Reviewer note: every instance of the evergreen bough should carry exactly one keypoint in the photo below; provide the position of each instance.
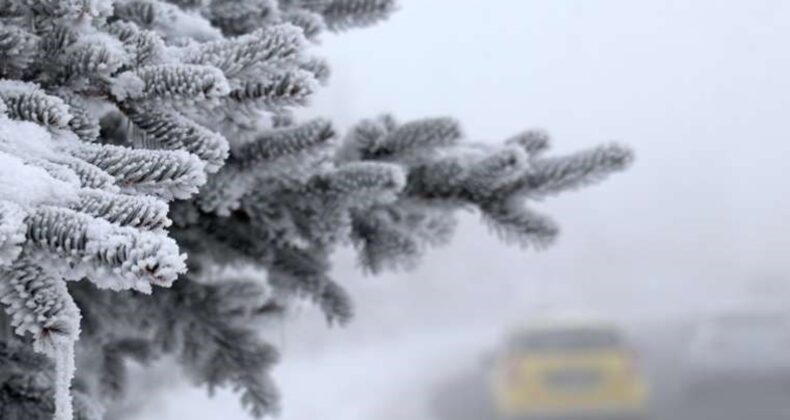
(135, 133)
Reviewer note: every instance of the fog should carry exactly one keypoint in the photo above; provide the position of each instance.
(698, 225)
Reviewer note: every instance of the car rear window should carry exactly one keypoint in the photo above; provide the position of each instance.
(567, 339)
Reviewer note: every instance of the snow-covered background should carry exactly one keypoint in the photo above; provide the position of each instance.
(699, 89)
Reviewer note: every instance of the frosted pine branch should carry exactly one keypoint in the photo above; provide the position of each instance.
(135, 132)
(263, 49)
(40, 305)
(125, 257)
(17, 50)
(344, 14)
(27, 102)
(168, 174)
(126, 210)
(181, 82)
(291, 142)
(173, 131)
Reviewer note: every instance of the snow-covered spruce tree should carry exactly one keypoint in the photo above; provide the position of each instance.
(135, 133)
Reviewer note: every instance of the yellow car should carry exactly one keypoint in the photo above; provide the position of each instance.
(578, 369)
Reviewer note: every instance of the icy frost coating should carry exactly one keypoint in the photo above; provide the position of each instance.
(39, 304)
(133, 132)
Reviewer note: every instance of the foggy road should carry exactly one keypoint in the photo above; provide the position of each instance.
(463, 396)
(439, 375)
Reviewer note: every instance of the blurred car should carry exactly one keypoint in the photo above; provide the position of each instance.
(567, 369)
(738, 358)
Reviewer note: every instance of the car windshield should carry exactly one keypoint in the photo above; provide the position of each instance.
(567, 339)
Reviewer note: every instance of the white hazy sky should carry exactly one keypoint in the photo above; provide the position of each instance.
(701, 91)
